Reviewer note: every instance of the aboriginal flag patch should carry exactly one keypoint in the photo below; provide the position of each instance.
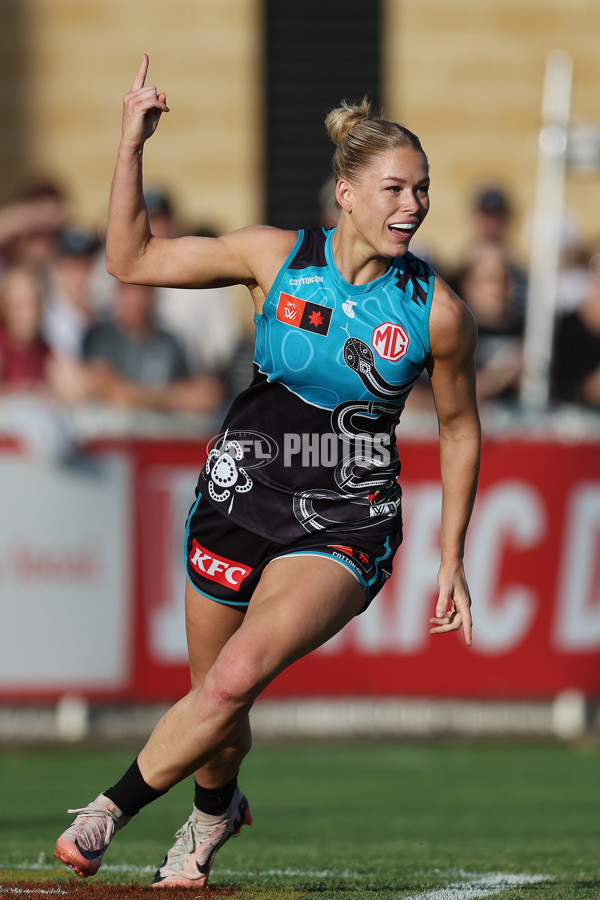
(303, 314)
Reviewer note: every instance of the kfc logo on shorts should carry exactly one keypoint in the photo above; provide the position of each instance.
(390, 341)
(218, 568)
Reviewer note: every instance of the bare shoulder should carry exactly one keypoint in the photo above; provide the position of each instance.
(259, 251)
(452, 327)
(263, 250)
(260, 238)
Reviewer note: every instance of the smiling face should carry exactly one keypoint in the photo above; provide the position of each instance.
(388, 201)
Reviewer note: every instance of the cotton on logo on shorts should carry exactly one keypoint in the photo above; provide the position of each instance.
(390, 341)
(218, 568)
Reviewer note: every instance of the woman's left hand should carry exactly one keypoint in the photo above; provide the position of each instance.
(453, 607)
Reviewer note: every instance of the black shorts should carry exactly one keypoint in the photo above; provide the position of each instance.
(225, 561)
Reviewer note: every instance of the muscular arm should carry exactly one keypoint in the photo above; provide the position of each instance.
(453, 341)
(249, 256)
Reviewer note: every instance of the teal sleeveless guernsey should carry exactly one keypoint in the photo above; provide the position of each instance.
(310, 445)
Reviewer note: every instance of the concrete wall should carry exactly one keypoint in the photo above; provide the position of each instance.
(79, 58)
(467, 76)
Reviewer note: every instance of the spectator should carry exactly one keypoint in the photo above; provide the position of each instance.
(576, 366)
(132, 363)
(573, 274)
(486, 286)
(491, 223)
(30, 225)
(29, 409)
(492, 214)
(69, 306)
(24, 354)
(161, 212)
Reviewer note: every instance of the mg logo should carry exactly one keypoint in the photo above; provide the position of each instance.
(390, 341)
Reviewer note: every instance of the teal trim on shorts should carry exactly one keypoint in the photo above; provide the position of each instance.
(238, 603)
(335, 559)
(379, 560)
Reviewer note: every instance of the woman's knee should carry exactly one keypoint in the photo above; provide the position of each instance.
(232, 683)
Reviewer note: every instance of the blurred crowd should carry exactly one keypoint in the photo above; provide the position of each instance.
(71, 336)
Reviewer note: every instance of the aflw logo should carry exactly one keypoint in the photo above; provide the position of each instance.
(305, 314)
(390, 341)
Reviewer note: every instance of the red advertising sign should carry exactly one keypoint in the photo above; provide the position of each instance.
(533, 565)
(532, 562)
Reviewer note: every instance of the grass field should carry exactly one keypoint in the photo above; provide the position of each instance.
(438, 821)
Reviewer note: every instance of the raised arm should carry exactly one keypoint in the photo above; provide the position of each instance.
(249, 256)
(453, 340)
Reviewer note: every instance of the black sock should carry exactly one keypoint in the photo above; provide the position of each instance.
(132, 793)
(214, 801)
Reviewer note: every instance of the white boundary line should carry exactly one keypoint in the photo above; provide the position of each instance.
(479, 886)
(472, 886)
(37, 892)
(46, 865)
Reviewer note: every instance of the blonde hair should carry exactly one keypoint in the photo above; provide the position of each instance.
(359, 135)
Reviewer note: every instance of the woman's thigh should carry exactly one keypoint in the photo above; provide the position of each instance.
(299, 603)
(209, 625)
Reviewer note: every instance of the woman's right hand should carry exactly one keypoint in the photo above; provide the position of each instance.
(142, 109)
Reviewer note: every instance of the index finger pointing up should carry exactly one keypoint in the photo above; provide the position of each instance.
(140, 78)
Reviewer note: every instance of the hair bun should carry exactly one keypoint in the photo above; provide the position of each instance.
(340, 121)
